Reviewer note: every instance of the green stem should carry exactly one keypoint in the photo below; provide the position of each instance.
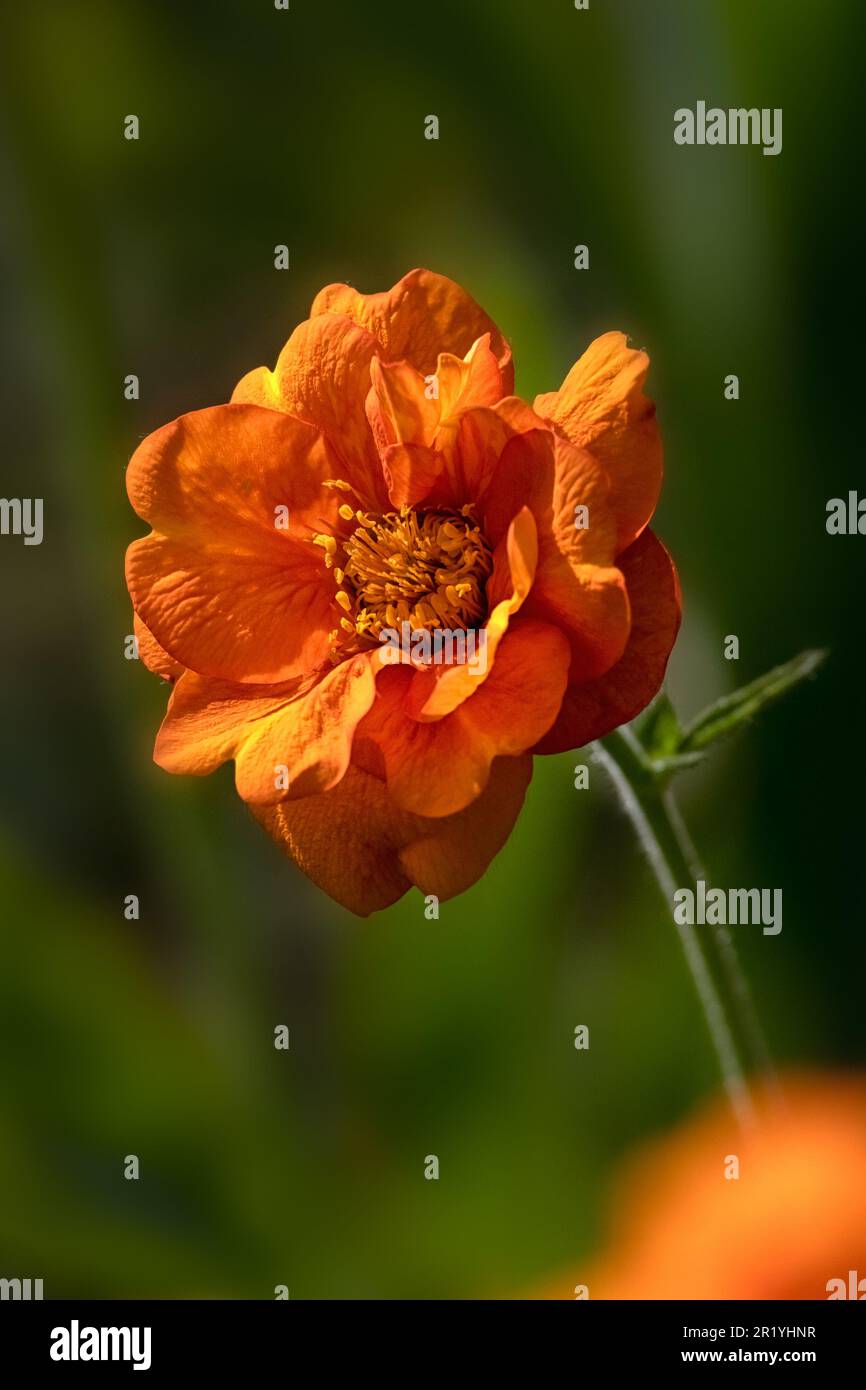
(754, 1042)
(710, 955)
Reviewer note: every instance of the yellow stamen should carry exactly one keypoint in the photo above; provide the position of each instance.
(428, 569)
(425, 568)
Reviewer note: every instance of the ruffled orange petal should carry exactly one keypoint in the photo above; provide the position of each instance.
(322, 376)
(223, 588)
(453, 471)
(424, 314)
(400, 408)
(361, 849)
(461, 463)
(410, 470)
(437, 768)
(601, 407)
(590, 605)
(591, 709)
(576, 586)
(273, 735)
(429, 438)
(406, 407)
(542, 471)
(469, 451)
(473, 380)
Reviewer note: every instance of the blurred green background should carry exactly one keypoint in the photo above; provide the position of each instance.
(408, 1037)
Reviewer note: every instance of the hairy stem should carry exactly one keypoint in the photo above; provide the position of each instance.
(754, 1041)
(710, 955)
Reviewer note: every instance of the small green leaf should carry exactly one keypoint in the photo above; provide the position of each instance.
(664, 768)
(727, 715)
(659, 729)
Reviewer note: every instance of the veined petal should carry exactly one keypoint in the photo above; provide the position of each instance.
(152, 654)
(424, 314)
(554, 478)
(285, 742)
(601, 407)
(223, 586)
(364, 851)
(474, 380)
(590, 605)
(426, 426)
(400, 409)
(591, 709)
(406, 407)
(410, 470)
(576, 586)
(322, 377)
(437, 768)
(461, 463)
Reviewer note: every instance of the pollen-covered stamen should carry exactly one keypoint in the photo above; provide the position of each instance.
(427, 568)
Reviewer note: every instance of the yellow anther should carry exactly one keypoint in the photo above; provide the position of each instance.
(346, 512)
(344, 600)
(429, 569)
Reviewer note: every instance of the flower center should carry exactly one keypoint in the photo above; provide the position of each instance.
(425, 568)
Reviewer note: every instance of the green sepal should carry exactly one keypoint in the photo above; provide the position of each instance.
(666, 748)
(658, 729)
(727, 715)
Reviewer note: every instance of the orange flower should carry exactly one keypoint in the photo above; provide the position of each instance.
(383, 474)
(791, 1226)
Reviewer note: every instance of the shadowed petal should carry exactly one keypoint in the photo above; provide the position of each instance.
(152, 654)
(590, 710)
(576, 586)
(365, 852)
(439, 767)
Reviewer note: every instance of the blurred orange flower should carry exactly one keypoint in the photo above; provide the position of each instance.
(791, 1226)
(384, 478)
